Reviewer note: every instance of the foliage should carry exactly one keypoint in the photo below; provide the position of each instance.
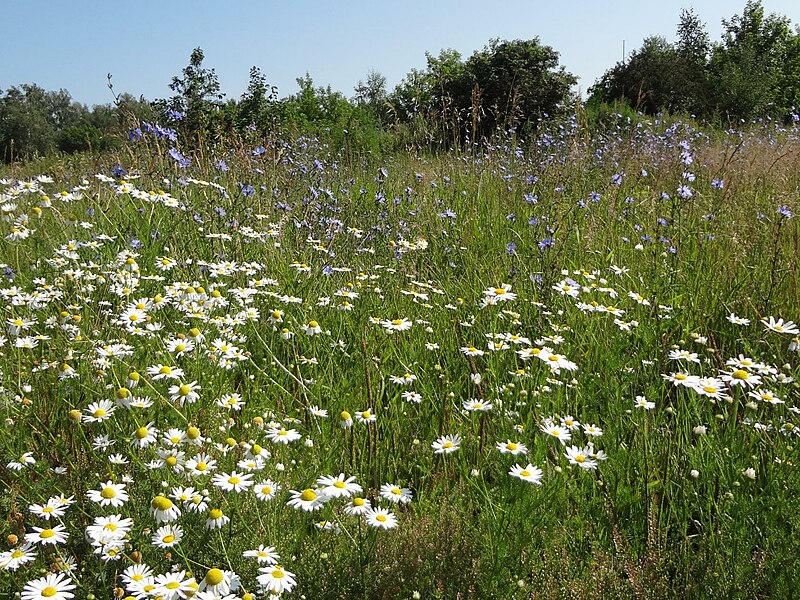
(751, 73)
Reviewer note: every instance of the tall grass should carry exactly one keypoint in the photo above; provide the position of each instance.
(695, 499)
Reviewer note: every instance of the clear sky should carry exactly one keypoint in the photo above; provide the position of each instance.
(74, 44)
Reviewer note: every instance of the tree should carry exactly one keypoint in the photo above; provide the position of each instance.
(750, 63)
(254, 106)
(372, 95)
(197, 97)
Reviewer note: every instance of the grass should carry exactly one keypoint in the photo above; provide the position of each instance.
(692, 497)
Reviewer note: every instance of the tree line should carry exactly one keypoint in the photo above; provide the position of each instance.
(752, 72)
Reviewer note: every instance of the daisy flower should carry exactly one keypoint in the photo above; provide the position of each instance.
(529, 473)
(559, 432)
(53, 586)
(11, 560)
(22, 462)
(164, 510)
(276, 580)
(216, 519)
(472, 351)
(642, 402)
(513, 448)
(404, 379)
(160, 371)
(308, 500)
(167, 536)
(47, 536)
(396, 494)
(380, 518)
(218, 583)
(236, 482)
(780, 326)
(339, 486)
(263, 554)
(52, 508)
(592, 430)
(281, 435)
(366, 416)
(738, 320)
(476, 405)
(683, 379)
(711, 387)
(396, 324)
(266, 490)
(502, 293)
(312, 328)
(411, 396)
(684, 355)
(185, 393)
(741, 378)
(110, 494)
(446, 444)
(202, 464)
(99, 411)
(174, 586)
(581, 457)
(357, 506)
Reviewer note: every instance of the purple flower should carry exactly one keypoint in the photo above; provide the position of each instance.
(511, 248)
(247, 190)
(785, 212)
(221, 165)
(136, 243)
(617, 178)
(182, 161)
(718, 184)
(259, 150)
(175, 115)
(685, 192)
(118, 171)
(531, 198)
(135, 134)
(546, 243)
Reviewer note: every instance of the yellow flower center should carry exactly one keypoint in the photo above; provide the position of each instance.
(184, 390)
(739, 374)
(171, 461)
(201, 466)
(233, 480)
(580, 458)
(397, 322)
(141, 433)
(110, 527)
(447, 445)
(46, 534)
(165, 370)
(172, 585)
(308, 495)
(397, 491)
(99, 413)
(278, 574)
(709, 389)
(381, 518)
(161, 503)
(215, 513)
(344, 415)
(108, 493)
(193, 433)
(214, 576)
(123, 393)
(358, 502)
(49, 592)
(17, 553)
(499, 291)
(680, 376)
(366, 414)
(168, 539)
(266, 490)
(525, 473)
(511, 446)
(313, 324)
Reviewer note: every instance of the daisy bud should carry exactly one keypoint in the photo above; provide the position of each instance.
(75, 416)
(12, 539)
(694, 473)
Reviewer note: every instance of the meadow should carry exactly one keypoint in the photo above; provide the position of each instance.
(269, 369)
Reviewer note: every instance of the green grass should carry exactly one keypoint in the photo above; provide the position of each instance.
(640, 525)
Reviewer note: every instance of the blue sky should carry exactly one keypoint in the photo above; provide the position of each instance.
(73, 45)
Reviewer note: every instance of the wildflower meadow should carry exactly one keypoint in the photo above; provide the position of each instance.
(266, 368)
